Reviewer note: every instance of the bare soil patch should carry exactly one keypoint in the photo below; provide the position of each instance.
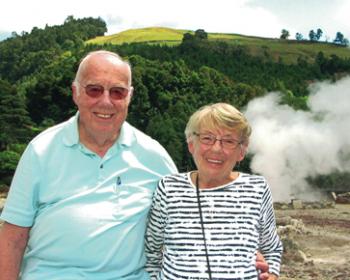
(319, 247)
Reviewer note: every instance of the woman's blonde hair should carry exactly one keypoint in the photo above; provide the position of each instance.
(219, 115)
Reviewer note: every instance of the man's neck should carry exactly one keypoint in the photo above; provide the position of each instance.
(98, 144)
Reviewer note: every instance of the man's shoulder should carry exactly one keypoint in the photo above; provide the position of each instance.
(50, 134)
(142, 138)
(147, 148)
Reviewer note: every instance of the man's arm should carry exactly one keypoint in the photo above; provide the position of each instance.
(13, 241)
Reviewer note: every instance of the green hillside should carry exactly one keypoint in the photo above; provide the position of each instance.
(159, 35)
(287, 50)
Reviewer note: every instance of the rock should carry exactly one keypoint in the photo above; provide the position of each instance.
(284, 207)
(283, 221)
(343, 198)
(297, 204)
(300, 256)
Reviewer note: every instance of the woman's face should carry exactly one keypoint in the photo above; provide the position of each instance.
(215, 162)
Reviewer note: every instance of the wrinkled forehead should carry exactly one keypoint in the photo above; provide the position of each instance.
(104, 66)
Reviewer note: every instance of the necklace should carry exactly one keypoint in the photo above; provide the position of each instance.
(202, 226)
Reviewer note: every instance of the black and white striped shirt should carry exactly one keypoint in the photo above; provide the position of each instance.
(238, 220)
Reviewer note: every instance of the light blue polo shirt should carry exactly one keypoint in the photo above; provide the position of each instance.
(88, 214)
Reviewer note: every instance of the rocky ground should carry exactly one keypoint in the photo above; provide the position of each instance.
(316, 241)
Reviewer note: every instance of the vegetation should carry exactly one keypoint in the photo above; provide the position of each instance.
(174, 73)
(287, 50)
(155, 35)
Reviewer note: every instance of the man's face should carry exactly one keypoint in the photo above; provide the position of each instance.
(102, 116)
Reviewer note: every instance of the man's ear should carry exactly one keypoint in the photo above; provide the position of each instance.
(129, 97)
(75, 93)
(131, 92)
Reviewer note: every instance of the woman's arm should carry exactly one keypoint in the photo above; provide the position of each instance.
(270, 244)
(154, 238)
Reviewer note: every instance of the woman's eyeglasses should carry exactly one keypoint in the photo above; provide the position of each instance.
(210, 139)
(115, 93)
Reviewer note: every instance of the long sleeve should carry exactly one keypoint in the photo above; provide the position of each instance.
(270, 243)
(154, 238)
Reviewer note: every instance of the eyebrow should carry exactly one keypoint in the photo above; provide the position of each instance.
(211, 133)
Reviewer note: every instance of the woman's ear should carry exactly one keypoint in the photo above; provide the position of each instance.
(190, 146)
(242, 151)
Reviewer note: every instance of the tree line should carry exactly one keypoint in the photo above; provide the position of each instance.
(171, 82)
(315, 36)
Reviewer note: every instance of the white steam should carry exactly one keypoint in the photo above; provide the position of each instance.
(289, 146)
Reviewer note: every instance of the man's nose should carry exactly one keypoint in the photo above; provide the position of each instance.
(105, 97)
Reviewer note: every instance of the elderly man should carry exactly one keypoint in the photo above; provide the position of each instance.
(79, 200)
(78, 203)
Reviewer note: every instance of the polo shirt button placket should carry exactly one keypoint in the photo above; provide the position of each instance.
(101, 170)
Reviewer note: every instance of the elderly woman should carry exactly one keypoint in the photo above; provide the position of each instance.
(211, 222)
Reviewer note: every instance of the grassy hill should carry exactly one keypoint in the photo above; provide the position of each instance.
(287, 50)
(152, 35)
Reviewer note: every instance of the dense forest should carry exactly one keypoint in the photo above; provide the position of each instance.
(171, 82)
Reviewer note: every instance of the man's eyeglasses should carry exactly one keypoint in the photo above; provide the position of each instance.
(115, 93)
(210, 139)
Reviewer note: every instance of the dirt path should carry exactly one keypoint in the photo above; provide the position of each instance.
(325, 241)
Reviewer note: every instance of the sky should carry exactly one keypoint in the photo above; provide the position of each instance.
(264, 18)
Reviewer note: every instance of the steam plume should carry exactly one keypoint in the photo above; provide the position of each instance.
(288, 145)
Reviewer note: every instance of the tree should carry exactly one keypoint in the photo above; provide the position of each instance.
(162, 127)
(319, 33)
(312, 36)
(14, 120)
(340, 39)
(201, 34)
(299, 36)
(198, 36)
(187, 37)
(284, 34)
(8, 162)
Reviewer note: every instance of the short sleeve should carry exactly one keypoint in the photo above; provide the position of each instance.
(21, 204)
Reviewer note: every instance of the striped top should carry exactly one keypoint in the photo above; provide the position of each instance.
(238, 220)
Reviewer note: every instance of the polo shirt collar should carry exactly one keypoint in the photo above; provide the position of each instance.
(71, 131)
(126, 136)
